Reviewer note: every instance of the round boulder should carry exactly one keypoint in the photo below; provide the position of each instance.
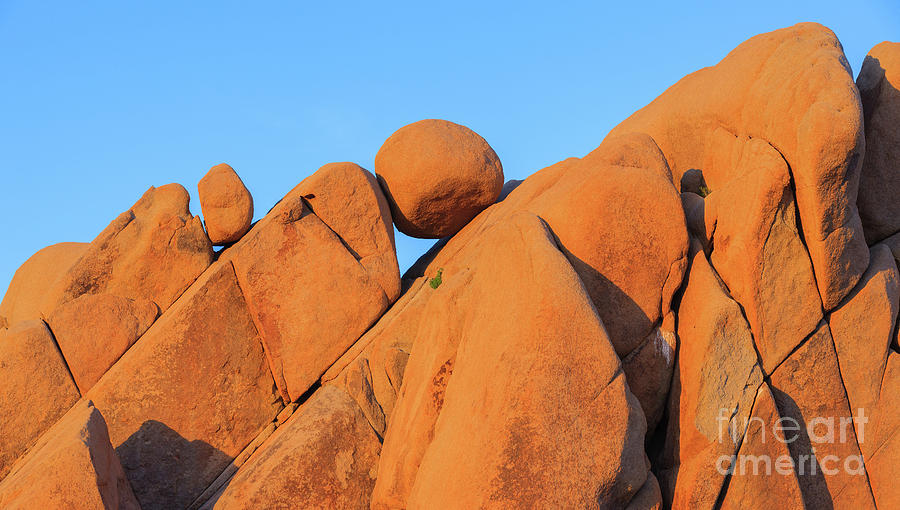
(437, 176)
(226, 204)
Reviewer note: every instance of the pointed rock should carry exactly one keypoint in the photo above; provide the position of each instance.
(73, 465)
(190, 395)
(153, 251)
(310, 294)
(716, 378)
(570, 434)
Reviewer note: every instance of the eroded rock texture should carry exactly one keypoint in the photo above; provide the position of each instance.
(693, 315)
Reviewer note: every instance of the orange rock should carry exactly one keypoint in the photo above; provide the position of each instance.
(71, 466)
(469, 429)
(862, 328)
(226, 204)
(310, 295)
(879, 90)
(437, 176)
(880, 442)
(94, 330)
(762, 476)
(347, 198)
(633, 261)
(33, 279)
(372, 370)
(324, 456)
(716, 378)
(808, 387)
(190, 395)
(791, 88)
(153, 251)
(36, 390)
(757, 250)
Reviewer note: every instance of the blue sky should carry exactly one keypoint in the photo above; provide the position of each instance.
(100, 100)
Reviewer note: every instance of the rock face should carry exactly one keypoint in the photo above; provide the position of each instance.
(36, 391)
(791, 88)
(689, 316)
(153, 251)
(311, 291)
(226, 204)
(437, 176)
(463, 410)
(324, 456)
(72, 466)
(94, 330)
(190, 395)
(26, 290)
(879, 90)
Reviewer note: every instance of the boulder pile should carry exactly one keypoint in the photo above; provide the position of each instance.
(702, 312)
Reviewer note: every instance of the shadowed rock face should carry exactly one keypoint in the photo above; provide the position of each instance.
(639, 328)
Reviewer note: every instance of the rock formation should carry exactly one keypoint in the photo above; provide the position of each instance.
(702, 312)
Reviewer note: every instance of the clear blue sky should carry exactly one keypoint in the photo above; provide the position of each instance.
(100, 100)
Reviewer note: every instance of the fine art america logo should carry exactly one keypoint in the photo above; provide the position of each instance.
(801, 441)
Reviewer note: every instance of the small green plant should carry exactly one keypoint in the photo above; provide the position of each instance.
(436, 281)
(704, 190)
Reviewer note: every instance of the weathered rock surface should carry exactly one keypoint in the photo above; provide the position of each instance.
(463, 409)
(153, 251)
(791, 88)
(879, 181)
(324, 456)
(437, 176)
(307, 288)
(758, 252)
(94, 330)
(761, 474)
(73, 466)
(716, 379)
(226, 204)
(190, 395)
(32, 280)
(808, 388)
(36, 388)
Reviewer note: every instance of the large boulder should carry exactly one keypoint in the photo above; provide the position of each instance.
(513, 395)
(324, 456)
(879, 181)
(153, 251)
(94, 330)
(437, 176)
(36, 388)
(793, 89)
(757, 249)
(311, 291)
(190, 395)
(226, 204)
(717, 376)
(73, 465)
(34, 278)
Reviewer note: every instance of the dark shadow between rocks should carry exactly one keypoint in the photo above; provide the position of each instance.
(165, 469)
(812, 481)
